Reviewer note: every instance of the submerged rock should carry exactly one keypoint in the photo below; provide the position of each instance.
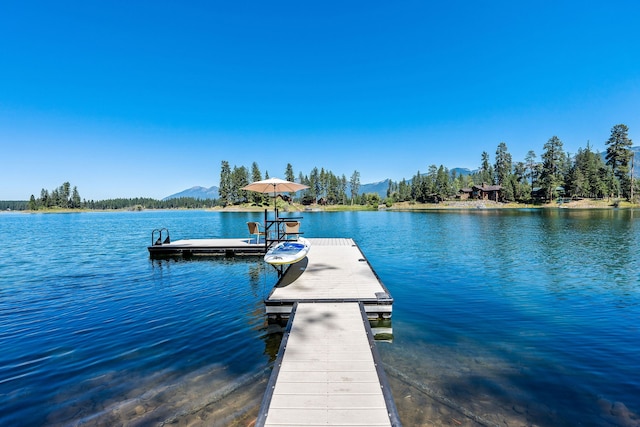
(619, 409)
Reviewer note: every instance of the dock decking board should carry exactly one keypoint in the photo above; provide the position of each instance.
(327, 372)
(334, 269)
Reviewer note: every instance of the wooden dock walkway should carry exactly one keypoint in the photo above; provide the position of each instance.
(334, 270)
(328, 372)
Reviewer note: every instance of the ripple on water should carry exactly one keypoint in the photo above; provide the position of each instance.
(507, 318)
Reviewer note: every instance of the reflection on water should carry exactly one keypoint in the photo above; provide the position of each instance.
(524, 317)
(94, 332)
(209, 396)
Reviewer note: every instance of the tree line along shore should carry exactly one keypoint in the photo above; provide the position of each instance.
(296, 207)
(556, 175)
(604, 180)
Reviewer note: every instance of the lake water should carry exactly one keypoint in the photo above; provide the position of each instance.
(506, 317)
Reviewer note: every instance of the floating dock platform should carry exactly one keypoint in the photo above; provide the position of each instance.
(335, 269)
(207, 247)
(273, 231)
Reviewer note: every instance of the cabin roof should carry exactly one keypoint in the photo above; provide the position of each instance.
(488, 187)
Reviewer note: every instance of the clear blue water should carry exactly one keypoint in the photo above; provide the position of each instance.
(507, 317)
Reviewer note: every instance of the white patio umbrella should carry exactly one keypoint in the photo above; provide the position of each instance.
(274, 186)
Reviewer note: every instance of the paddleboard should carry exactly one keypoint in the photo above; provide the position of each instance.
(287, 252)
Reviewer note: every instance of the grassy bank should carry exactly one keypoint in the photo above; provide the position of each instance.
(450, 204)
(401, 206)
(485, 204)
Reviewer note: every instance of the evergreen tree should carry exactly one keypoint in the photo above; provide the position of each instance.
(404, 191)
(521, 187)
(239, 179)
(417, 190)
(45, 200)
(314, 184)
(429, 183)
(619, 156)
(510, 188)
(342, 193)
(333, 189)
(256, 175)
(225, 183)
(323, 181)
(355, 185)
(288, 173)
(503, 166)
(486, 171)
(65, 195)
(466, 181)
(585, 176)
(442, 183)
(611, 183)
(454, 182)
(75, 198)
(576, 183)
(530, 166)
(289, 176)
(33, 205)
(390, 189)
(56, 200)
(553, 161)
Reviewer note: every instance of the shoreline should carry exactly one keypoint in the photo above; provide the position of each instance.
(400, 206)
(485, 204)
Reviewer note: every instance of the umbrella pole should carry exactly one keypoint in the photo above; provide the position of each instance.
(275, 206)
(266, 232)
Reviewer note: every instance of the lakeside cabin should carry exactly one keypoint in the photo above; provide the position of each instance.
(484, 192)
(540, 193)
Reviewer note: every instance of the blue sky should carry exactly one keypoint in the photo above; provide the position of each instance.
(127, 99)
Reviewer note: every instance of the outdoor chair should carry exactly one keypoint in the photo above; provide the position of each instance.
(292, 228)
(254, 229)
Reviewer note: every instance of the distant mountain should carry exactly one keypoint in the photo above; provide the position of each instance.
(462, 171)
(197, 193)
(636, 154)
(379, 187)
